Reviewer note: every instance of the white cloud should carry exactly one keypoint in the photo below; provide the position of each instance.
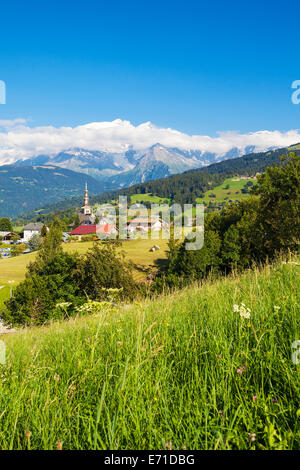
(19, 141)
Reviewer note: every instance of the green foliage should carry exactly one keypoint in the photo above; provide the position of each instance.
(279, 191)
(45, 286)
(57, 282)
(35, 242)
(5, 225)
(103, 267)
(44, 231)
(252, 230)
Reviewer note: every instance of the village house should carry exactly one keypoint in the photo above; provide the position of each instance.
(145, 224)
(7, 237)
(101, 231)
(34, 228)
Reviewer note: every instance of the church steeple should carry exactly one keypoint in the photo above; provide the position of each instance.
(86, 196)
(86, 209)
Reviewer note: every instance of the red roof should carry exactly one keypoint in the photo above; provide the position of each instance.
(84, 230)
(87, 229)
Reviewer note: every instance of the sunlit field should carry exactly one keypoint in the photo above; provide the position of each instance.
(135, 250)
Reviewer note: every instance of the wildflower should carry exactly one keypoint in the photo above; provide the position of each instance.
(252, 436)
(119, 343)
(276, 307)
(169, 445)
(242, 310)
(28, 434)
(219, 356)
(63, 304)
(155, 398)
(244, 367)
(56, 377)
(274, 400)
(239, 371)
(254, 397)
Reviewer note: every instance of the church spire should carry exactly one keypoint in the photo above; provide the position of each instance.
(86, 196)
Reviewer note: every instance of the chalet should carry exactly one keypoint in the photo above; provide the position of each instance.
(34, 228)
(145, 224)
(7, 236)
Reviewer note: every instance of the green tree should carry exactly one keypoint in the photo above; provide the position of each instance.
(279, 212)
(35, 242)
(44, 231)
(5, 225)
(37, 298)
(103, 267)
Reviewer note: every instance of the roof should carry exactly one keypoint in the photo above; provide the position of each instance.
(34, 226)
(84, 230)
(105, 228)
(87, 229)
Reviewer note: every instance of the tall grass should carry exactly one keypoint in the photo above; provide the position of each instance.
(162, 373)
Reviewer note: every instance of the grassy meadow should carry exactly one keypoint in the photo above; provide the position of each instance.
(185, 371)
(137, 251)
(223, 194)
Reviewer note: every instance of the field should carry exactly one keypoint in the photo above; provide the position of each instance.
(223, 194)
(185, 371)
(148, 198)
(135, 250)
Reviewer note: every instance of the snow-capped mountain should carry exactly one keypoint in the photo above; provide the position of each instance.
(122, 169)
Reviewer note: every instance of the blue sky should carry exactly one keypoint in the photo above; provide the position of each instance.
(200, 67)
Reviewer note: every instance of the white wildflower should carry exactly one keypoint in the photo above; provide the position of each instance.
(244, 311)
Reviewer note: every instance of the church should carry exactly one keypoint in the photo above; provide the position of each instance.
(86, 216)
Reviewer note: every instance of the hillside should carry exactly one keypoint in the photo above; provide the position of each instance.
(182, 372)
(24, 188)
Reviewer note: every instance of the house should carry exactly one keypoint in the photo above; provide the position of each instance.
(34, 228)
(107, 230)
(144, 224)
(7, 236)
(83, 230)
(100, 230)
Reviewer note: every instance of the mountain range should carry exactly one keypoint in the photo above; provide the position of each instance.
(183, 187)
(123, 169)
(47, 179)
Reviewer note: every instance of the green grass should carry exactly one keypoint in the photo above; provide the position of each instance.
(4, 293)
(148, 198)
(149, 373)
(233, 192)
(135, 250)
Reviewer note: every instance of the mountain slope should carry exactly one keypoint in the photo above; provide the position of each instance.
(24, 188)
